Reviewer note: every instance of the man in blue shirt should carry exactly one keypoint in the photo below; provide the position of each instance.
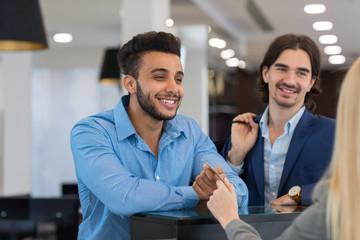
(281, 163)
(142, 156)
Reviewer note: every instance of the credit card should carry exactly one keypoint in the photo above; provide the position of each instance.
(214, 171)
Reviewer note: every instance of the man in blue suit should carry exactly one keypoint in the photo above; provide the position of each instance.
(283, 152)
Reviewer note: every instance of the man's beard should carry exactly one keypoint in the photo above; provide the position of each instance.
(149, 107)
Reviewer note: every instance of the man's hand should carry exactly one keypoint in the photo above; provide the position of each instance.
(205, 183)
(287, 209)
(284, 201)
(243, 137)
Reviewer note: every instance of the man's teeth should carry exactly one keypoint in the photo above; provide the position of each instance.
(168, 101)
(288, 91)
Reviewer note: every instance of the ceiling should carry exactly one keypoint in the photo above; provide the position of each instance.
(229, 19)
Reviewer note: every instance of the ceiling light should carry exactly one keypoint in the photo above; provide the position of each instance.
(314, 8)
(62, 37)
(217, 42)
(169, 22)
(322, 26)
(337, 59)
(242, 64)
(225, 54)
(332, 50)
(213, 41)
(328, 39)
(232, 62)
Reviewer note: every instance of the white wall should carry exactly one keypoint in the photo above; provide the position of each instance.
(15, 161)
(61, 97)
(196, 95)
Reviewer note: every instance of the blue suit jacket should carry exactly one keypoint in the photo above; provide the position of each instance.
(307, 158)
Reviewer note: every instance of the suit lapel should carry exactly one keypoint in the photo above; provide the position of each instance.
(257, 161)
(302, 131)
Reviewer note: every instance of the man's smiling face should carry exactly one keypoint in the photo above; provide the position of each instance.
(159, 88)
(289, 79)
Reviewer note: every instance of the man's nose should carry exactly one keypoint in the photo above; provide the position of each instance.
(171, 85)
(290, 78)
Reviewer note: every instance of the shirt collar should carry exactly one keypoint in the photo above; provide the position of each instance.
(172, 127)
(123, 124)
(125, 128)
(289, 126)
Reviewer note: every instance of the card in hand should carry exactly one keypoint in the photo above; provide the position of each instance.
(214, 171)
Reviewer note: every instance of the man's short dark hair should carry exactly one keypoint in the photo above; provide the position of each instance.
(129, 56)
(280, 44)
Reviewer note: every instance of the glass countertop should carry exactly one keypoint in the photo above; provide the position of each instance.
(203, 212)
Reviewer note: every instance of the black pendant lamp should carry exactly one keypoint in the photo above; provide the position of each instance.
(21, 26)
(110, 72)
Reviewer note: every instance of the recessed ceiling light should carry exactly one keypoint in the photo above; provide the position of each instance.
(337, 59)
(225, 54)
(62, 37)
(232, 62)
(217, 42)
(328, 39)
(332, 50)
(314, 8)
(322, 26)
(242, 64)
(169, 22)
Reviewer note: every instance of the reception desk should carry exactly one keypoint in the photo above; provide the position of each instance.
(200, 224)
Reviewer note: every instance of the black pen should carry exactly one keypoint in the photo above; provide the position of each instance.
(236, 121)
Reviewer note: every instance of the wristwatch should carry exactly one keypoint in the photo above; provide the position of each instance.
(295, 193)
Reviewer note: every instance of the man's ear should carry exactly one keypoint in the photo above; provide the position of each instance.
(264, 72)
(312, 82)
(129, 83)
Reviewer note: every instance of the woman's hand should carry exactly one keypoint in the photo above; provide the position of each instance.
(223, 203)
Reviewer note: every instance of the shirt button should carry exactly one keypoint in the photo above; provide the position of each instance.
(272, 166)
(157, 178)
(273, 194)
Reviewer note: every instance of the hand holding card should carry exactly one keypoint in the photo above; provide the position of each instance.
(214, 171)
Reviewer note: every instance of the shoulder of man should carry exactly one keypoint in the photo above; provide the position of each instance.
(102, 118)
(320, 119)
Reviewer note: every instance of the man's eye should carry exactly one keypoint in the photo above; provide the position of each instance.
(178, 80)
(159, 77)
(302, 74)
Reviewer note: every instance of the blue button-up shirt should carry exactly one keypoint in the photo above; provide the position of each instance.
(274, 156)
(118, 174)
